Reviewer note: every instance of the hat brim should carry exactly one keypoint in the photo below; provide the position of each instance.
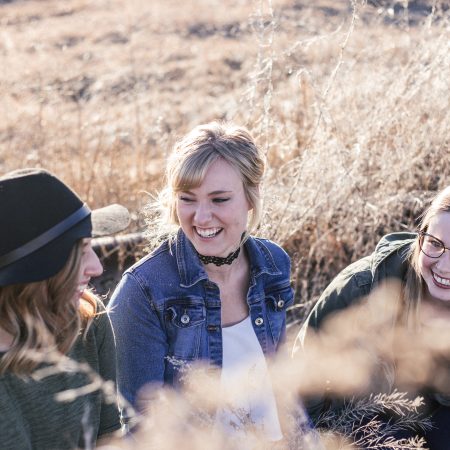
(109, 220)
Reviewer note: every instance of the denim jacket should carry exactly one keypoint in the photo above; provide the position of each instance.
(165, 310)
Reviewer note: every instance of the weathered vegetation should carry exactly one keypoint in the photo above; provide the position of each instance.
(349, 100)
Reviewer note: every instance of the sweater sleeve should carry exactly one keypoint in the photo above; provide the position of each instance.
(106, 359)
(349, 287)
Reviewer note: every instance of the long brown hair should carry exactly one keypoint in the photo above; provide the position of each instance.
(41, 316)
(414, 288)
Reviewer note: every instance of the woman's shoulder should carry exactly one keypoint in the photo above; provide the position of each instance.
(392, 242)
(391, 250)
(155, 254)
(101, 318)
(96, 333)
(267, 245)
(99, 323)
(357, 279)
(149, 278)
(390, 257)
(162, 256)
(271, 245)
(268, 257)
(91, 305)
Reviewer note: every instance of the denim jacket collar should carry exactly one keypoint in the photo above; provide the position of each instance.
(261, 259)
(191, 270)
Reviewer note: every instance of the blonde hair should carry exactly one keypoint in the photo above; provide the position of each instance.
(414, 288)
(42, 317)
(194, 154)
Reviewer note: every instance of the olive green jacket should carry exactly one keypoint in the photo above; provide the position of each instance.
(357, 280)
(350, 287)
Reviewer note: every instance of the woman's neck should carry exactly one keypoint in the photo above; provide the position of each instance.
(233, 282)
(225, 273)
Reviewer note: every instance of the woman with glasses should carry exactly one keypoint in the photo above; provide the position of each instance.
(419, 264)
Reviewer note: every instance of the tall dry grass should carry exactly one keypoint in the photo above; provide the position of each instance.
(349, 100)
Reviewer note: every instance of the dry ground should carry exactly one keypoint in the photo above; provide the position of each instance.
(349, 100)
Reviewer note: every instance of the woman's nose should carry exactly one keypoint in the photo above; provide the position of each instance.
(202, 214)
(93, 266)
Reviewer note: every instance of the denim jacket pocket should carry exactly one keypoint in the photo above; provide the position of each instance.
(277, 302)
(185, 320)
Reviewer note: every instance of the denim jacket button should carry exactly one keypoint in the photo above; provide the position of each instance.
(185, 319)
(259, 321)
(280, 303)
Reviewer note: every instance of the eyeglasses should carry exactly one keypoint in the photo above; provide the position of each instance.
(431, 246)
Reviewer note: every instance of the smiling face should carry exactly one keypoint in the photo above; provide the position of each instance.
(90, 266)
(214, 215)
(436, 271)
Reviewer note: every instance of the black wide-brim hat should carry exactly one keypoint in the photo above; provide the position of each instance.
(41, 219)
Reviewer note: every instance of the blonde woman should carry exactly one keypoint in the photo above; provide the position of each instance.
(54, 334)
(420, 262)
(211, 292)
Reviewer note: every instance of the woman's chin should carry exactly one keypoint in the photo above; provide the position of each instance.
(439, 296)
(76, 299)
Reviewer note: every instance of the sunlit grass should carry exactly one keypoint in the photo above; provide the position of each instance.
(348, 100)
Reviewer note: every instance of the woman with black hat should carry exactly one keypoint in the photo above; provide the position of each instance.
(56, 342)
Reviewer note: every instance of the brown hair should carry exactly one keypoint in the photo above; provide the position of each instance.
(193, 155)
(41, 316)
(414, 287)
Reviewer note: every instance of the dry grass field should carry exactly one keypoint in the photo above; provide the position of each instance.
(349, 99)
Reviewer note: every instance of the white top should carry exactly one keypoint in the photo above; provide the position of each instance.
(246, 385)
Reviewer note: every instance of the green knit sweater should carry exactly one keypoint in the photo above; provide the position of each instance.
(31, 417)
